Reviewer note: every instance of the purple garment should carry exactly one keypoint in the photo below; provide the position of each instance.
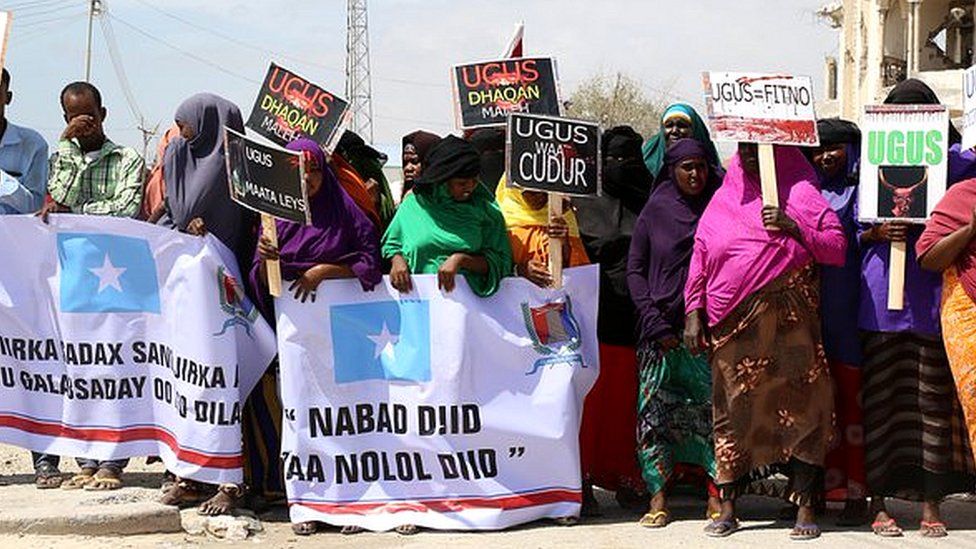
(840, 286)
(340, 233)
(661, 247)
(923, 289)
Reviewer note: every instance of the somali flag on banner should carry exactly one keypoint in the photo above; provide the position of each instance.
(123, 339)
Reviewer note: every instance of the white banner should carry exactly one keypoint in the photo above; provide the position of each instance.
(121, 339)
(446, 411)
(904, 162)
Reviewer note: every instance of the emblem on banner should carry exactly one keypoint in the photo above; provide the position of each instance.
(554, 332)
(234, 303)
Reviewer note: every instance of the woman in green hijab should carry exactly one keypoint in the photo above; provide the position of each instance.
(449, 224)
(678, 122)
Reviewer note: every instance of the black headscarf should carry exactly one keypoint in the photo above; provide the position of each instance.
(836, 131)
(451, 157)
(421, 142)
(606, 224)
(490, 143)
(916, 92)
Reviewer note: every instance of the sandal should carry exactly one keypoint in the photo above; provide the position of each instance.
(350, 530)
(47, 476)
(721, 528)
(657, 519)
(407, 529)
(566, 521)
(223, 502)
(887, 529)
(184, 493)
(104, 480)
(79, 481)
(306, 528)
(934, 529)
(805, 531)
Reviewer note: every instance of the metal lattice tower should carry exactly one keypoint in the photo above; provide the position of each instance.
(357, 69)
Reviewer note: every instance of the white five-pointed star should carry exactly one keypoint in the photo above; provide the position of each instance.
(384, 341)
(108, 275)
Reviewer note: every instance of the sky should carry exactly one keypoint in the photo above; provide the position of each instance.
(171, 49)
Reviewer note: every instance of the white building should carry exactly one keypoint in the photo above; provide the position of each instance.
(885, 41)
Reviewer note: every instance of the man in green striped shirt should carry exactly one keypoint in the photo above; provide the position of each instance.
(89, 174)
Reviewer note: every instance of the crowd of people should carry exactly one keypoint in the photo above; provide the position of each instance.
(745, 349)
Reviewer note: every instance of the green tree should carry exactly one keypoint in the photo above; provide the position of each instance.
(617, 99)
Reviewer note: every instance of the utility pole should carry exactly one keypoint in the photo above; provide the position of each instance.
(94, 10)
(357, 69)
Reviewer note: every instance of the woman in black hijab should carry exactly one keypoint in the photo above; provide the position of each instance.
(606, 224)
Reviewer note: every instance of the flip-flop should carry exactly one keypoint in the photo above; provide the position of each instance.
(721, 528)
(805, 531)
(657, 519)
(933, 529)
(887, 528)
(103, 484)
(47, 476)
(306, 528)
(77, 482)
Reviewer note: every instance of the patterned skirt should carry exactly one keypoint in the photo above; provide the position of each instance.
(959, 331)
(261, 422)
(916, 443)
(674, 416)
(773, 398)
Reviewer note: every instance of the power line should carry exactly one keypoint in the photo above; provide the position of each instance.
(28, 6)
(195, 57)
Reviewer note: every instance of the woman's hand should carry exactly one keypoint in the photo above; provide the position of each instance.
(400, 275)
(696, 340)
(448, 272)
(557, 227)
(773, 216)
(537, 273)
(49, 208)
(668, 343)
(266, 250)
(307, 284)
(196, 227)
(890, 231)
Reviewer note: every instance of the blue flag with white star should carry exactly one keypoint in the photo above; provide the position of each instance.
(381, 340)
(102, 273)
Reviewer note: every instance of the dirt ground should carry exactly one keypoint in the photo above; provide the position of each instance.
(615, 528)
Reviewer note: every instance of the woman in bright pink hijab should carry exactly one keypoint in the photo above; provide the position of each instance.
(752, 300)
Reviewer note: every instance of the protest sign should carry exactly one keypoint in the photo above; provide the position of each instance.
(122, 339)
(969, 108)
(768, 109)
(6, 18)
(904, 170)
(485, 92)
(552, 154)
(290, 106)
(268, 180)
(442, 411)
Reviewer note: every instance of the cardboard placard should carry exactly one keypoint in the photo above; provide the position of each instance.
(486, 92)
(969, 108)
(289, 106)
(552, 154)
(6, 18)
(904, 167)
(266, 179)
(761, 108)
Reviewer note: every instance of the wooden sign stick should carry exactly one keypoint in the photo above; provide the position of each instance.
(272, 267)
(556, 244)
(896, 276)
(767, 175)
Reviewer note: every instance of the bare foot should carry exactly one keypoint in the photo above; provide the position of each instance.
(223, 502)
(105, 479)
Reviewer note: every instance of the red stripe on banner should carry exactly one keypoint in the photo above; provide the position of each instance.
(129, 434)
(504, 503)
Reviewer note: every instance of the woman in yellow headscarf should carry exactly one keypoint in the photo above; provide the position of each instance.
(529, 229)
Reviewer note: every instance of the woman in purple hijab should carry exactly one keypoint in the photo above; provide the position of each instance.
(341, 242)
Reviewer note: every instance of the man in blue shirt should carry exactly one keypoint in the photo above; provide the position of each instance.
(23, 162)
